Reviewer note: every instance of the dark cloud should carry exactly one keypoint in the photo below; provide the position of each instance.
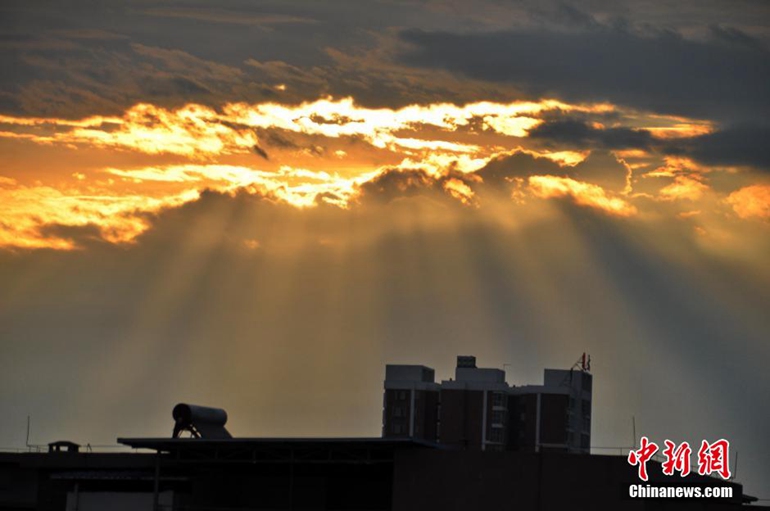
(492, 183)
(347, 47)
(260, 152)
(83, 236)
(600, 168)
(277, 138)
(501, 170)
(397, 184)
(738, 145)
(579, 134)
(111, 76)
(735, 36)
(661, 72)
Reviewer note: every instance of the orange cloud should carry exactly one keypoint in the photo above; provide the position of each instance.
(29, 212)
(192, 130)
(197, 131)
(683, 130)
(296, 186)
(459, 190)
(684, 188)
(676, 165)
(584, 194)
(168, 156)
(751, 201)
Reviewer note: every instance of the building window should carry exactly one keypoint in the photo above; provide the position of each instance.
(401, 395)
(586, 407)
(496, 435)
(498, 417)
(498, 399)
(398, 429)
(398, 411)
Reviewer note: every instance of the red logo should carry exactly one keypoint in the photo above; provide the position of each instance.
(712, 458)
(646, 451)
(677, 458)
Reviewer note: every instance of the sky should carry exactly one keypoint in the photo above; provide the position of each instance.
(256, 205)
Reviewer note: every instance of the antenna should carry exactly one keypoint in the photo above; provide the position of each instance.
(735, 466)
(27, 442)
(583, 364)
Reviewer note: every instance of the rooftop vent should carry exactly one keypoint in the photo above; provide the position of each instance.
(63, 446)
(200, 422)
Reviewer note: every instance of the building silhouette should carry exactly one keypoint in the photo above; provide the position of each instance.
(472, 442)
(478, 410)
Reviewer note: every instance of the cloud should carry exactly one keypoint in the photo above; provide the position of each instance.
(473, 154)
(199, 131)
(583, 194)
(733, 145)
(106, 76)
(209, 15)
(261, 152)
(43, 217)
(579, 134)
(751, 201)
(660, 72)
(685, 187)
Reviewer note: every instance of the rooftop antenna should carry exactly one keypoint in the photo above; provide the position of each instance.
(583, 364)
(735, 466)
(27, 442)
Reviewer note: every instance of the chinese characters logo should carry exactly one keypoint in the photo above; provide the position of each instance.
(712, 458)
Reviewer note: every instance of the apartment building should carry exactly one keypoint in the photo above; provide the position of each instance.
(479, 410)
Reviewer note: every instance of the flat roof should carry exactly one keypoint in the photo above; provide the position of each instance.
(279, 450)
(177, 444)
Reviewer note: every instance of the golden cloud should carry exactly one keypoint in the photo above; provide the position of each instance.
(583, 194)
(28, 211)
(197, 131)
(751, 201)
(459, 190)
(684, 187)
(350, 146)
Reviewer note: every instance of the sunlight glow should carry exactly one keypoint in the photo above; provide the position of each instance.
(584, 194)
